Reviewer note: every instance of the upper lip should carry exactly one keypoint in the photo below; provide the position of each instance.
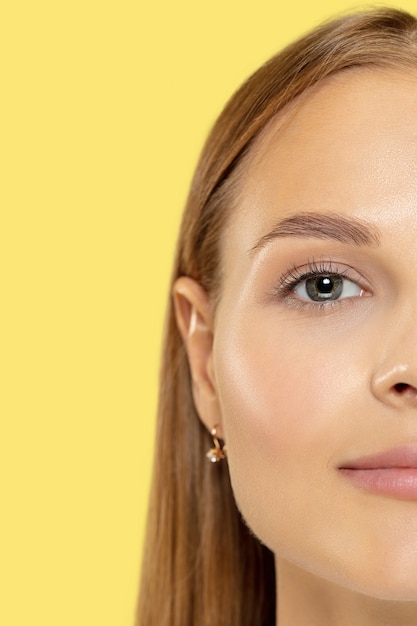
(403, 456)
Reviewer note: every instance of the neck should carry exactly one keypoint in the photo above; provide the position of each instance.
(307, 600)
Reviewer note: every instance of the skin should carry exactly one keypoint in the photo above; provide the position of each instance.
(298, 387)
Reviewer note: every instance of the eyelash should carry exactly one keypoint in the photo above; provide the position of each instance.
(291, 279)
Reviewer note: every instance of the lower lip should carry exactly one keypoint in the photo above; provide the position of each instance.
(396, 482)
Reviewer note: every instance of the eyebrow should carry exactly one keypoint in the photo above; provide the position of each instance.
(323, 226)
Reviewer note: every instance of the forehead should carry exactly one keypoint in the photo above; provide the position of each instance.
(347, 145)
(337, 108)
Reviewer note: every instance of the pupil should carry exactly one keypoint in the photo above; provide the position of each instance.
(325, 285)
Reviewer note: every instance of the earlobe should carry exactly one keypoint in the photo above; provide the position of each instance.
(195, 323)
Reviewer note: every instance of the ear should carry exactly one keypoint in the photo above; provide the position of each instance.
(195, 323)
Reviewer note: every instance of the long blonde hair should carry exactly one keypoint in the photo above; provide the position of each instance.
(202, 566)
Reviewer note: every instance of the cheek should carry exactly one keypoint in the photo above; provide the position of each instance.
(295, 399)
(283, 400)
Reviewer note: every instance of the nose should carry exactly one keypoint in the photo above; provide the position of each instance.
(394, 380)
(397, 386)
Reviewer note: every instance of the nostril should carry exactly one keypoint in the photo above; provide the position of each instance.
(401, 387)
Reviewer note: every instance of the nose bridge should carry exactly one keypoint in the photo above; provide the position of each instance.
(395, 375)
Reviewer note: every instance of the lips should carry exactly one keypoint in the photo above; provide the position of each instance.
(390, 473)
(403, 457)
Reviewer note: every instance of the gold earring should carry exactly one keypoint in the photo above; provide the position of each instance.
(219, 452)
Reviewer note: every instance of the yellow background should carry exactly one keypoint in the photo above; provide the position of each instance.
(105, 106)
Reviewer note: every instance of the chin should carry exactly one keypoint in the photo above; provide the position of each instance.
(390, 587)
(389, 581)
(387, 575)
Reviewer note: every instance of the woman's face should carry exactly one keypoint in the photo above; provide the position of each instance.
(314, 360)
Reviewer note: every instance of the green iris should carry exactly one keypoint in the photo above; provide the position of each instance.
(322, 288)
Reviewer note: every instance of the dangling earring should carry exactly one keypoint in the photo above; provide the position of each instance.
(219, 452)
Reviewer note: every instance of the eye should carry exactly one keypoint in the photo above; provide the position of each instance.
(319, 284)
(326, 287)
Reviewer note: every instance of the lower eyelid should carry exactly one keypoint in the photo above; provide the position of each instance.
(305, 306)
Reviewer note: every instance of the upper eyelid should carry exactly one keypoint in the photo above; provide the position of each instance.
(312, 268)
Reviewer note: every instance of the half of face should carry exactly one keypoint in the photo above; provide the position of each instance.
(309, 361)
